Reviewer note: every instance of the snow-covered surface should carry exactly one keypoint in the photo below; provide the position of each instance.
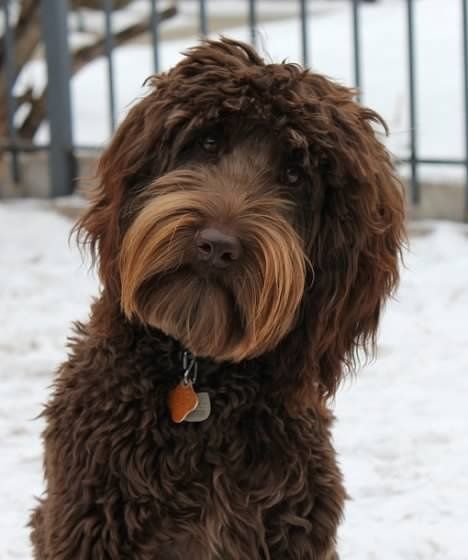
(385, 82)
(43, 287)
(401, 430)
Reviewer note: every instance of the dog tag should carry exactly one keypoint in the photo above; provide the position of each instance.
(203, 410)
(182, 401)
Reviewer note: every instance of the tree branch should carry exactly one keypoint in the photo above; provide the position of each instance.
(36, 115)
(86, 54)
(26, 39)
(81, 58)
(97, 4)
(26, 15)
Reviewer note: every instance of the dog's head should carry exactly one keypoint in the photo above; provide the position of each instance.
(247, 209)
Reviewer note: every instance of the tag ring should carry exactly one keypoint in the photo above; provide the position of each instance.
(190, 365)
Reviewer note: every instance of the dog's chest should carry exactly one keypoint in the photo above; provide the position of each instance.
(213, 486)
(239, 464)
(242, 445)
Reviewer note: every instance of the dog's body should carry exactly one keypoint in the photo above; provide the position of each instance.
(129, 483)
(247, 220)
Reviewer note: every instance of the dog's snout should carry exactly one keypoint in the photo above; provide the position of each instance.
(217, 248)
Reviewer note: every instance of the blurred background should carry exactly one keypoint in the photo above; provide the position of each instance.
(407, 59)
(69, 72)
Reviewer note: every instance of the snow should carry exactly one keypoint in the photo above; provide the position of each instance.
(43, 287)
(401, 428)
(440, 126)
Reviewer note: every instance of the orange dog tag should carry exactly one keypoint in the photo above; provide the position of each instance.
(182, 401)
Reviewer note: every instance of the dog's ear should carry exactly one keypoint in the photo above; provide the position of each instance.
(130, 161)
(357, 250)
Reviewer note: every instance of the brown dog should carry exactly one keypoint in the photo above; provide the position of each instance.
(247, 226)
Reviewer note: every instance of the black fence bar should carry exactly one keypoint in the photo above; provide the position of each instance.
(415, 195)
(108, 7)
(54, 20)
(24, 148)
(465, 93)
(253, 22)
(357, 49)
(54, 31)
(435, 161)
(203, 18)
(10, 82)
(304, 33)
(154, 25)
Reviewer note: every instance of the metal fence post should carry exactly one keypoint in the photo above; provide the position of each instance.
(203, 18)
(253, 22)
(357, 49)
(108, 7)
(304, 33)
(10, 82)
(154, 24)
(55, 33)
(415, 194)
(465, 94)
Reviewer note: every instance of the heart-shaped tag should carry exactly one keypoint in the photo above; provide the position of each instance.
(182, 401)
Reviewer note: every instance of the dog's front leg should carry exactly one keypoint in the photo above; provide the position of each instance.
(304, 525)
(82, 516)
(294, 535)
(303, 548)
(64, 528)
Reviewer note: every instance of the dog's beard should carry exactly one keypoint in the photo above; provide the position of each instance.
(199, 312)
(231, 315)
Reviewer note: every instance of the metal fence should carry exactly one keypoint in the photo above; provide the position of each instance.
(54, 16)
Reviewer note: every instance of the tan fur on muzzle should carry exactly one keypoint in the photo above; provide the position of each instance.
(232, 317)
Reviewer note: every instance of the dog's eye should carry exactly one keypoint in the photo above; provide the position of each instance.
(210, 143)
(292, 174)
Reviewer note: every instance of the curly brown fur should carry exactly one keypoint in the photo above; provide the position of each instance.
(285, 161)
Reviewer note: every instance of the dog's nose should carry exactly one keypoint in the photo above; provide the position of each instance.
(217, 248)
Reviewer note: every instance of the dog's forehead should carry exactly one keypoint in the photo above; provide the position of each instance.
(258, 139)
(249, 132)
(212, 81)
(254, 144)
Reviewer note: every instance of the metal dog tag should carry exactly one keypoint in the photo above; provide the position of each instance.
(203, 410)
(182, 401)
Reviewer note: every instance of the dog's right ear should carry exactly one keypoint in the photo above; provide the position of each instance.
(128, 162)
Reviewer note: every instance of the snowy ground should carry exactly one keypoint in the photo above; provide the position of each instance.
(401, 432)
(385, 84)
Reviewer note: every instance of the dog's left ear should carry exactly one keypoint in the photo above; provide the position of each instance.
(356, 252)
